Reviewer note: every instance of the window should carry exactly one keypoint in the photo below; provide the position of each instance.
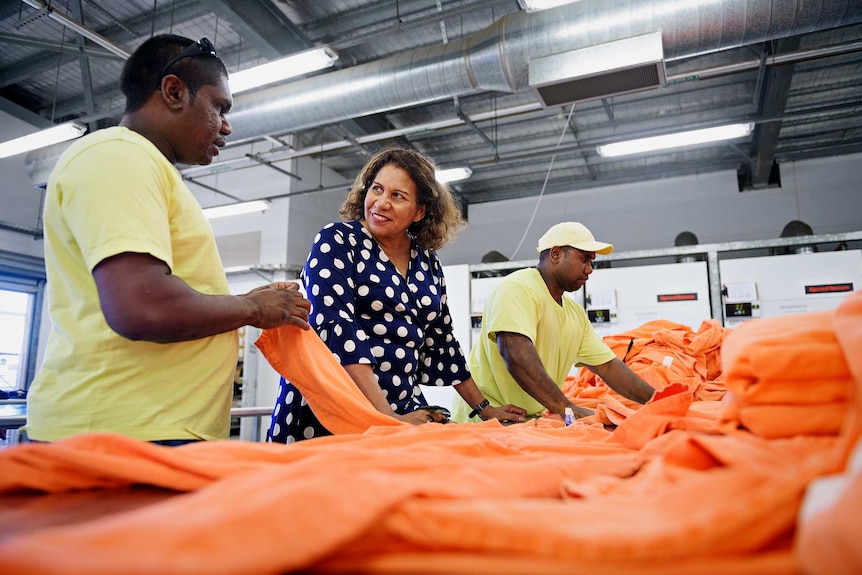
(14, 308)
(22, 293)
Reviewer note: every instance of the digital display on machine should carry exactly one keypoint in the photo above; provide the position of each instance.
(599, 315)
(737, 309)
(666, 297)
(829, 288)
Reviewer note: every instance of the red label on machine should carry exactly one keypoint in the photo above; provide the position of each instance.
(829, 288)
(676, 297)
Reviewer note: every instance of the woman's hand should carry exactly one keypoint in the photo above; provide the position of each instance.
(421, 416)
(506, 413)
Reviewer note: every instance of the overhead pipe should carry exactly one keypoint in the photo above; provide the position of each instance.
(285, 153)
(497, 57)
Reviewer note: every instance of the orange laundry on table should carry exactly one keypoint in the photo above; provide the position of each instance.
(663, 494)
(828, 539)
(661, 352)
(786, 376)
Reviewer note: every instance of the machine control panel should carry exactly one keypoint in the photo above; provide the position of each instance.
(741, 303)
(600, 315)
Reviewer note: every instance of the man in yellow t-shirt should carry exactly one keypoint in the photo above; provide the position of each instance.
(532, 335)
(143, 339)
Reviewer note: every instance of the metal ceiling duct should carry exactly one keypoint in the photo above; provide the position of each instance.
(497, 58)
(608, 69)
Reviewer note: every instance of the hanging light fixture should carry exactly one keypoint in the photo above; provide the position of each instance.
(453, 175)
(42, 138)
(677, 140)
(536, 5)
(236, 209)
(283, 68)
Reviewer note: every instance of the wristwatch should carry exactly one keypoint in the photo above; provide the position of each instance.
(479, 408)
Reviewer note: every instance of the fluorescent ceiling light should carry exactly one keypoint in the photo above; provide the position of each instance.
(453, 175)
(677, 140)
(235, 209)
(536, 5)
(283, 68)
(42, 138)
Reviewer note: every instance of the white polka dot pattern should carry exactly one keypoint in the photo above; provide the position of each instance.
(366, 312)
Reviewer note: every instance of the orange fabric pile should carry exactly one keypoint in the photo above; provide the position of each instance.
(786, 376)
(662, 352)
(828, 526)
(654, 496)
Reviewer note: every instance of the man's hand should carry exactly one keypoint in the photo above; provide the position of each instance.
(507, 413)
(581, 411)
(279, 304)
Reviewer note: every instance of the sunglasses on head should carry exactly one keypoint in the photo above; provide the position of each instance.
(202, 47)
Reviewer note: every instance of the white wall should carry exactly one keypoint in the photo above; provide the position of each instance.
(20, 243)
(288, 227)
(20, 202)
(825, 193)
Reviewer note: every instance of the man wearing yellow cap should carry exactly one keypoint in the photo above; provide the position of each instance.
(532, 335)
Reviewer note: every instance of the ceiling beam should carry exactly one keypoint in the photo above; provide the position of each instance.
(41, 44)
(772, 101)
(261, 23)
(84, 62)
(179, 11)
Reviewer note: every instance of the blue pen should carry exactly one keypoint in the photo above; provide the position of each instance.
(570, 416)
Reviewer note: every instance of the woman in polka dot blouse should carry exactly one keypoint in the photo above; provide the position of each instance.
(379, 297)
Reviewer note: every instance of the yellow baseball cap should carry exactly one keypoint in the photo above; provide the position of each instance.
(574, 234)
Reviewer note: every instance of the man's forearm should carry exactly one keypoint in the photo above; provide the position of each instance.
(623, 380)
(526, 369)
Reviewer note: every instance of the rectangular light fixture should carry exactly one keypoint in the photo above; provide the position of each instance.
(677, 140)
(283, 68)
(42, 138)
(536, 5)
(236, 209)
(453, 175)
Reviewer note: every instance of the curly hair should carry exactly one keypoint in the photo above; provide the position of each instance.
(442, 221)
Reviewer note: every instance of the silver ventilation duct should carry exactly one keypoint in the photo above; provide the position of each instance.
(497, 58)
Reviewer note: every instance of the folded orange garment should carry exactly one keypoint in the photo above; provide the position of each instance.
(782, 420)
(848, 331)
(302, 358)
(828, 527)
(787, 359)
